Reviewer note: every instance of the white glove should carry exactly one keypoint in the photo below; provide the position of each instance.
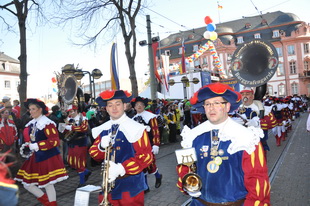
(238, 120)
(68, 127)
(115, 170)
(148, 128)
(194, 194)
(187, 139)
(171, 122)
(34, 146)
(105, 141)
(155, 149)
(254, 122)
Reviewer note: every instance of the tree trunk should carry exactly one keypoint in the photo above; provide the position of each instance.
(22, 89)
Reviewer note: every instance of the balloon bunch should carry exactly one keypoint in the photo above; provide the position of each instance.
(54, 84)
(210, 33)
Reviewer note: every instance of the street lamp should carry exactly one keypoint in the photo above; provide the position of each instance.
(184, 81)
(95, 74)
(151, 56)
(69, 69)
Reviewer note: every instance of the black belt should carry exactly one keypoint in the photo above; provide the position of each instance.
(236, 203)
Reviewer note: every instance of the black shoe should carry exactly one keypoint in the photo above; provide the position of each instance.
(147, 190)
(87, 176)
(158, 181)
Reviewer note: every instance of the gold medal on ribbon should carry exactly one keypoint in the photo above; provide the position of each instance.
(214, 151)
(212, 167)
(221, 152)
(218, 160)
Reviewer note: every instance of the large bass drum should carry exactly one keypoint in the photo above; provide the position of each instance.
(253, 64)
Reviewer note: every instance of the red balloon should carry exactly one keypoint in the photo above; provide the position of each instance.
(208, 20)
(54, 80)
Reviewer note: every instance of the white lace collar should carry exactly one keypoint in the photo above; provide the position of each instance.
(41, 121)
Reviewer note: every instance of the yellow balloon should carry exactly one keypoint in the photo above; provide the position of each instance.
(213, 35)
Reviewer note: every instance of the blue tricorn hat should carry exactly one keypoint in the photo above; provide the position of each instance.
(216, 90)
(37, 102)
(108, 95)
(139, 99)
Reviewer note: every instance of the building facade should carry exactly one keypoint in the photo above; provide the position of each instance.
(9, 77)
(289, 35)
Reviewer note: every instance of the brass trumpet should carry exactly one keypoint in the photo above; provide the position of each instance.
(106, 186)
(191, 181)
(70, 134)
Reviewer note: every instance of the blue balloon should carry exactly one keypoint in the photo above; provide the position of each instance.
(211, 27)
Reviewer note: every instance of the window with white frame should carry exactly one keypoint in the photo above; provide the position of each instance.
(239, 39)
(195, 48)
(197, 63)
(275, 34)
(306, 65)
(279, 50)
(294, 88)
(180, 50)
(306, 48)
(167, 53)
(293, 67)
(281, 90)
(280, 70)
(290, 49)
(270, 89)
(257, 36)
(7, 84)
(205, 61)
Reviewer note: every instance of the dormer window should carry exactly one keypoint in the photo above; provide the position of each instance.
(275, 34)
(247, 25)
(167, 53)
(178, 39)
(239, 39)
(264, 22)
(257, 36)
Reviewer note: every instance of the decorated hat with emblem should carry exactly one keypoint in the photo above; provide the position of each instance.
(216, 90)
(72, 107)
(37, 102)
(108, 95)
(139, 99)
(247, 89)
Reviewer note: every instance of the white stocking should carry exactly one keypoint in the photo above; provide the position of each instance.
(34, 190)
(51, 193)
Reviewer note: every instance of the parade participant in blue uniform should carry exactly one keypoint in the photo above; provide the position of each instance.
(45, 166)
(230, 160)
(257, 115)
(131, 150)
(76, 131)
(150, 120)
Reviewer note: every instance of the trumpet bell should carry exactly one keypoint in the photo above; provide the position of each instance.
(192, 182)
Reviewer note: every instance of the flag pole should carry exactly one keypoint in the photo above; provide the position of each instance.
(116, 59)
(218, 11)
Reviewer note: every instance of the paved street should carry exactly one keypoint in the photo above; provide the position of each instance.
(290, 185)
